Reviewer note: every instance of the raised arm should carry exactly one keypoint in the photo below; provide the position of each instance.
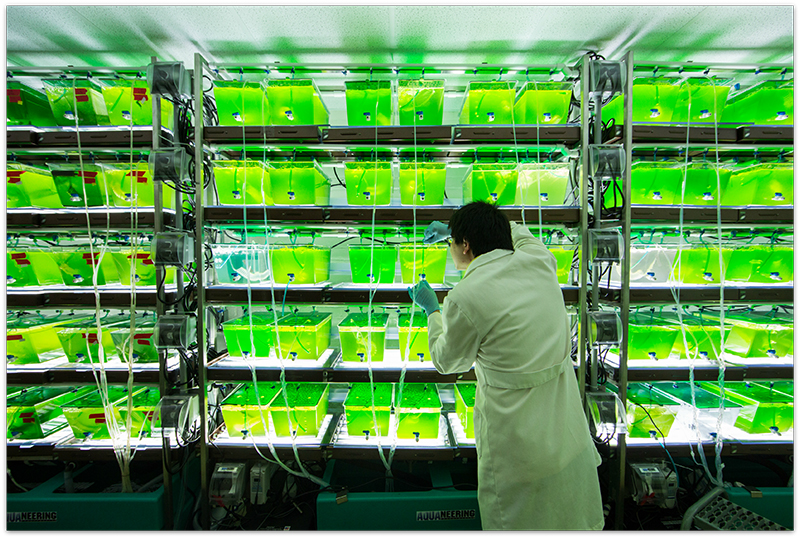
(523, 239)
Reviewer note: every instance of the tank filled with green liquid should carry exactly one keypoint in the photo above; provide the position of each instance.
(418, 412)
(81, 343)
(419, 262)
(564, 257)
(465, 407)
(650, 340)
(369, 103)
(246, 414)
(300, 264)
(144, 267)
(133, 186)
(86, 414)
(640, 424)
(143, 412)
(129, 102)
(653, 101)
(757, 339)
(29, 186)
(240, 264)
(757, 183)
(701, 184)
(308, 405)
(420, 102)
(299, 183)
(359, 405)
(27, 106)
(241, 103)
(763, 264)
(703, 399)
(78, 266)
(304, 335)
(242, 182)
(142, 342)
(700, 265)
(362, 337)
(543, 103)
(368, 183)
(656, 183)
(764, 409)
(544, 184)
(706, 98)
(414, 337)
(28, 413)
(32, 268)
(295, 102)
(81, 98)
(495, 183)
(250, 337)
(488, 103)
(30, 340)
(770, 102)
(370, 264)
(646, 394)
(703, 340)
(422, 183)
(81, 186)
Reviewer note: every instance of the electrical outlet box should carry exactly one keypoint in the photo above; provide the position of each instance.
(606, 246)
(169, 78)
(172, 249)
(228, 483)
(179, 412)
(653, 483)
(174, 331)
(606, 161)
(168, 165)
(260, 476)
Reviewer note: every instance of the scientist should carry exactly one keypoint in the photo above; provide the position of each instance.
(537, 464)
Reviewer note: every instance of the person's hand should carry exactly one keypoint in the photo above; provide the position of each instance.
(437, 231)
(424, 296)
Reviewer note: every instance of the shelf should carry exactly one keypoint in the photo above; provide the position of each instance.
(568, 134)
(703, 294)
(117, 297)
(563, 215)
(327, 294)
(90, 136)
(729, 448)
(706, 134)
(708, 214)
(398, 135)
(61, 372)
(261, 134)
(678, 370)
(76, 218)
(764, 134)
(16, 136)
(62, 445)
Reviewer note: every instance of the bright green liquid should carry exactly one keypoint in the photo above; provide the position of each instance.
(770, 184)
(28, 107)
(368, 183)
(652, 103)
(131, 187)
(422, 263)
(358, 409)
(70, 186)
(544, 184)
(420, 102)
(564, 258)
(65, 104)
(707, 103)
(650, 341)
(298, 183)
(488, 103)
(765, 410)
(27, 413)
(543, 105)
(295, 103)
(144, 349)
(77, 267)
(418, 413)
(300, 264)
(418, 350)
(465, 407)
(704, 342)
(304, 336)
(656, 184)
(242, 415)
(27, 186)
(74, 341)
(700, 265)
(241, 103)
(240, 183)
(144, 267)
(493, 183)
(369, 104)
(308, 405)
(236, 264)
(422, 184)
(383, 261)
(762, 264)
(26, 343)
(87, 419)
(769, 105)
(31, 268)
(238, 335)
(357, 346)
(701, 185)
(125, 105)
(640, 425)
(760, 340)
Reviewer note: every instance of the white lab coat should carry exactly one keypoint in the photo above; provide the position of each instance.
(537, 463)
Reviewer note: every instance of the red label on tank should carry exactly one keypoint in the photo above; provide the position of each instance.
(139, 175)
(26, 415)
(14, 96)
(145, 257)
(28, 420)
(99, 418)
(14, 176)
(89, 178)
(90, 260)
(140, 94)
(81, 95)
(91, 337)
(15, 337)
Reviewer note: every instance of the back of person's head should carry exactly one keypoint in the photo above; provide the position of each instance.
(483, 225)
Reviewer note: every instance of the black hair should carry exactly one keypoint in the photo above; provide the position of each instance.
(483, 225)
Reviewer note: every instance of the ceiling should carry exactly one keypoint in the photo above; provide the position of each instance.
(436, 35)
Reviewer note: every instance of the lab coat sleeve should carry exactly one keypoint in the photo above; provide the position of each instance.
(453, 339)
(523, 240)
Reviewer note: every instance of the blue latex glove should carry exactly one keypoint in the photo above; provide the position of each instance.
(425, 297)
(437, 231)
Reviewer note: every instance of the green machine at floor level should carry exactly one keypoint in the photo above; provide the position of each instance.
(433, 496)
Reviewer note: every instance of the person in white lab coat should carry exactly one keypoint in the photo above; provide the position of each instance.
(537, 463)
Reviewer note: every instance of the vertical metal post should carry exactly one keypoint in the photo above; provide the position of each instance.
(202, 356)
(597, 188)
(584, 188)
(626, 275)
(163, 387)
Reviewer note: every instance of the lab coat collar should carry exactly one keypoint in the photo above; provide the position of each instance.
(483, 259)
